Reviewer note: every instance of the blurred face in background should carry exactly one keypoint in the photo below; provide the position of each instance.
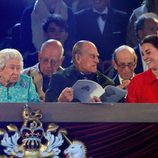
(56, 32)
(150, 27)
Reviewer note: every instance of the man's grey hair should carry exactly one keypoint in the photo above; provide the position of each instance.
(52, 42)
(117, 50)
(77, 48)
(9, 54)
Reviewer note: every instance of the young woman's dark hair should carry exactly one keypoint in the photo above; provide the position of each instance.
(152, 39)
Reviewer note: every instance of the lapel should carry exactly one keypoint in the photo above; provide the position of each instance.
(93, 22)
(73, 74)
(116, 80)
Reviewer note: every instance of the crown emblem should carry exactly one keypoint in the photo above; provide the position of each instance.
(33, 141)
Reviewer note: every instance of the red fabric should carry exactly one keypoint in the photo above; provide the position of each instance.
(143, 88)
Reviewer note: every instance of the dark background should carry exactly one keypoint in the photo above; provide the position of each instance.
(11, 11)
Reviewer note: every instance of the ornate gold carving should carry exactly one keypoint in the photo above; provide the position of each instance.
(32, 141)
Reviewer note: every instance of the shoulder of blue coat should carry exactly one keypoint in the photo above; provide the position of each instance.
(25, 77)
(24, 81)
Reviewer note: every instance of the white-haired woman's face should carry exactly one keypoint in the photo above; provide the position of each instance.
(11, 72)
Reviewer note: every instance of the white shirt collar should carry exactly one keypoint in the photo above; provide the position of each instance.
(121, 79)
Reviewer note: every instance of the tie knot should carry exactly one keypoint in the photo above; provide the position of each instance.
(102, 15)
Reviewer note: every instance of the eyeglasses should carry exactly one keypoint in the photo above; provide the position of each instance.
(50, 61)
(129, 65)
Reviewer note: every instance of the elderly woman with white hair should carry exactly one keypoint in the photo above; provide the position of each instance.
(15, 87)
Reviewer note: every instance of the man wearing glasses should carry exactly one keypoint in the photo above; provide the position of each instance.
(124, 62)
(50, 59)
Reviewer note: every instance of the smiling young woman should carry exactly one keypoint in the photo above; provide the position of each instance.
(144, 86)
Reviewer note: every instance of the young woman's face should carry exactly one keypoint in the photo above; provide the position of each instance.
(150, 55)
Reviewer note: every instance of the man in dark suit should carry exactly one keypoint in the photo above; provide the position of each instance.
(124, 62)
(104, 26)
(146, 24)
(85, 60)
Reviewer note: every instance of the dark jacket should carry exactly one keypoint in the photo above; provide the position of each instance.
(67, 78)
(116, 80)
(139, 67)
(114, 30)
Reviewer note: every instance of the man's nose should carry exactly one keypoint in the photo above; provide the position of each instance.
(49, 63)
(97, 60)
(127, 69)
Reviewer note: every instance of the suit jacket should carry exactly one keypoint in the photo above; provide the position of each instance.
(116, 80)
(114, 31)
(68, 77)
(139, 67)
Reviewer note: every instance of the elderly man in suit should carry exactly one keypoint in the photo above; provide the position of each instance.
(104, 26)
(85, 60)
(50, 59)
(124, 62)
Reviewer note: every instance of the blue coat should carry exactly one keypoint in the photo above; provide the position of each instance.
(22, 92)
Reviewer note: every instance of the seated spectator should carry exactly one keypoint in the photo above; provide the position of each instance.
(105, 27)
(146, 24)
(32, 20)
(124, 62)
(15, 87)
(55, 27)
(143, 87)
(147, 6)
(85, 60)
(50, 59)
